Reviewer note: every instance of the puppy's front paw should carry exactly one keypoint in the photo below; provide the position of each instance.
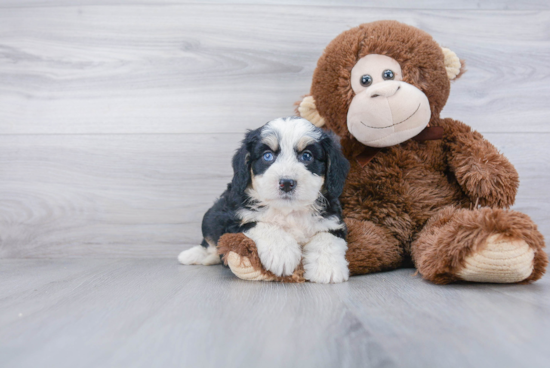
(282, 260)
(278, 250)
(325, 259)
(327, 271)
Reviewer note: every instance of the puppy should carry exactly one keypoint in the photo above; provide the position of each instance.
(288, 176)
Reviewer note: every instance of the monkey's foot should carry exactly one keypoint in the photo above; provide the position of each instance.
(501, 260)
(480, 245)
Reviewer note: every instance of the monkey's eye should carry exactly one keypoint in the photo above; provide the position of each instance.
(366, 80)
(387, 74)
(268, 156)
(306, 156)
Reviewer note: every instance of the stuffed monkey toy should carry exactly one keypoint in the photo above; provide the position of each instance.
(422, 190)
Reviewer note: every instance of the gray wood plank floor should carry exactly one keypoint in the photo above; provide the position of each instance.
(156, 313)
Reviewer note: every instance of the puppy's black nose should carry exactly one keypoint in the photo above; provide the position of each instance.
(287, 185)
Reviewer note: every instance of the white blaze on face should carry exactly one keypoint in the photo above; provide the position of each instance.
(387, 111)
(287, 137)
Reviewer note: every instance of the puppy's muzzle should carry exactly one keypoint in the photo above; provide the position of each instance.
(287, 185)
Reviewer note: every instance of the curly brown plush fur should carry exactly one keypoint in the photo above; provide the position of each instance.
(453, 234)
(371, 248)
(406, 185)
(418, 200)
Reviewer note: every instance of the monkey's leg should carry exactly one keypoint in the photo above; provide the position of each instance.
(241, 255)
(371, 248)
(482, 245)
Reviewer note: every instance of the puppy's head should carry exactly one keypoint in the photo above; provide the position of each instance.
(289, 162)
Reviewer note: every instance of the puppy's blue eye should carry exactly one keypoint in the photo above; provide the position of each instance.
(306, 156)
(268, 156)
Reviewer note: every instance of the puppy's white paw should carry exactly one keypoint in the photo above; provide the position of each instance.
(212, 257)
(278, 250)
(326, 271)
(193, 256)
(325, 259)
(281, 260)
(199, 255)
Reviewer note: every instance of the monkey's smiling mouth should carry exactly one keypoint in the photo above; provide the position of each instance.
(389, 126)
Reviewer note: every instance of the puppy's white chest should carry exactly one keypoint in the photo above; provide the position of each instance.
(302, 225)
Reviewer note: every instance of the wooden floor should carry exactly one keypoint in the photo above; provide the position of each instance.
(117, 123)
(154, 313)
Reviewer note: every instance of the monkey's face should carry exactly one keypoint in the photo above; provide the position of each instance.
(385, 110)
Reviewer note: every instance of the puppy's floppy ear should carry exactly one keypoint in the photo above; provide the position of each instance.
(241, 162)
(337, 165)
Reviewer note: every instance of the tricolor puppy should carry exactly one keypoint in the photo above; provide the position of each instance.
(288, 176)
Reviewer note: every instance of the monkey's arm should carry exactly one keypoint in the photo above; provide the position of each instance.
(484, 174)
(240, 253)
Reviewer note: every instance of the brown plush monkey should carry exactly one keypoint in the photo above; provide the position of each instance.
(421, 188)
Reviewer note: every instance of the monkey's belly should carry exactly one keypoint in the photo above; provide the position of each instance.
(403, 202)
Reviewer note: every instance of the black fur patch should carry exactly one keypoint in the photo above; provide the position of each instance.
(259, 166)
(338, 166)
(340, 233)
(318, 165)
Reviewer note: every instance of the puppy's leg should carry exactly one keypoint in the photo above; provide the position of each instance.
(205, 254)
(277, 249)
(325, 259)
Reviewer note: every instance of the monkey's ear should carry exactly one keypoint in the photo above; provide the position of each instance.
(454, 66)
(308, 111)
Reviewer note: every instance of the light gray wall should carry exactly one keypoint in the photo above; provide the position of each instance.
(117, 122)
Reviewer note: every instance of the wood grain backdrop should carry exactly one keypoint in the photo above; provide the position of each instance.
(118, 120)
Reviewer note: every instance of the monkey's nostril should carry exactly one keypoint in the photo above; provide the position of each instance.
(287, 185)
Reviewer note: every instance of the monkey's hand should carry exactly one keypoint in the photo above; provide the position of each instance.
(239, 252)
(484, 174)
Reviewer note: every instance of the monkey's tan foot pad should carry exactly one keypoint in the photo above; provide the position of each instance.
(501, 260)
(243, 269)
